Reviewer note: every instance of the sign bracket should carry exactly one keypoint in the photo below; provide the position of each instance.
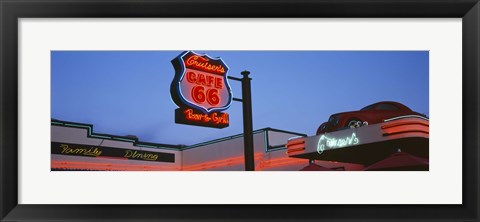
(237, 99)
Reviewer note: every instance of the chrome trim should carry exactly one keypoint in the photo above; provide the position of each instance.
(407, 116)
(295, 137)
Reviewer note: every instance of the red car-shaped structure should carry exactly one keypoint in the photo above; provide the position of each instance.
(371, 114)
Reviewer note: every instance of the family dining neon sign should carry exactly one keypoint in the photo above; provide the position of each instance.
(331, 142)
(200, 89)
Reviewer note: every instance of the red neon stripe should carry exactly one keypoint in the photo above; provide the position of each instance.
(406, 123)
(87, 164)
(404, 131)
(220, 163)
(293, 150)
(295, 142)
(286, 163)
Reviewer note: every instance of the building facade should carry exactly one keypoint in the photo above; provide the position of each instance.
(75, 146)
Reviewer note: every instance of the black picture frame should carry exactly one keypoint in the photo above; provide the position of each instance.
(11, 11)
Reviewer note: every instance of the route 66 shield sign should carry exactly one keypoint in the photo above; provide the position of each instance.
(200, 88)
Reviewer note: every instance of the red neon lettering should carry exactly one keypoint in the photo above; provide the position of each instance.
(210, 80)
(201, 80)
(223, 119)
(191, 77)
(202, 64)
(218, 83)
(205, 80)
(198, 94)
(212, 97)
(189, 115)
(206, 118)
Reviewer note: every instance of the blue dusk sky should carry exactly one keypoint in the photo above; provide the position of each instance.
(128, 92)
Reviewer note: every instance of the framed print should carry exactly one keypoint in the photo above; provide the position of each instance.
(154, 110)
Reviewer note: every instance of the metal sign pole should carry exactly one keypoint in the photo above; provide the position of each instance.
(247, 122)
(247, 119)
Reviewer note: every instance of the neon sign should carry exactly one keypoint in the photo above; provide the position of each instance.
(80, 151)
(201, 91)
(133, 154)
(331, 143)
(192, 117)
(110, 152)
(201, 63)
